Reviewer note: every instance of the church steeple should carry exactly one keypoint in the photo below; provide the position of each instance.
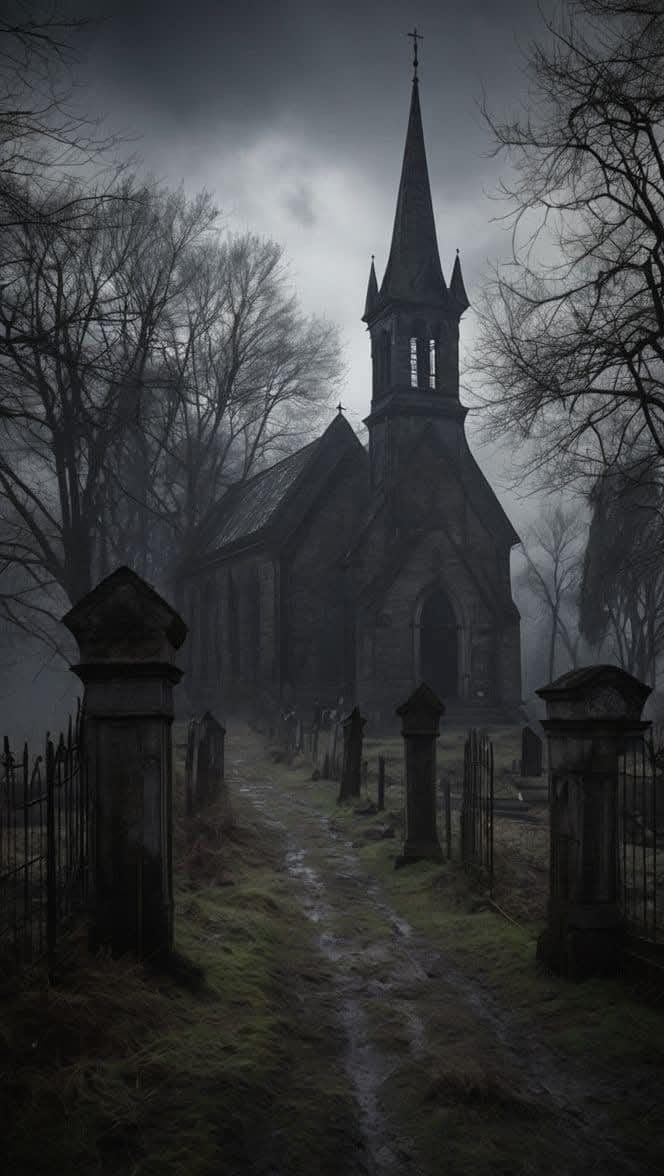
(413, 319)
(413, 272)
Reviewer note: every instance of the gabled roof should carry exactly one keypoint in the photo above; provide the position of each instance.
(478, 493)
(249, 507)
(252, 510)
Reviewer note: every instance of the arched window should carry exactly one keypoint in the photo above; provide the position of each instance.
(413, 361)
(432, 363)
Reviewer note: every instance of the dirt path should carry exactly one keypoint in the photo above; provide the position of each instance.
(406, 1009)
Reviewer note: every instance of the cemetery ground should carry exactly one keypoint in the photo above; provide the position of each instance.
(330, 1014)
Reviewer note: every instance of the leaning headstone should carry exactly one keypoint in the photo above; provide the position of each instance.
(128, 636)
(531, 753)
(592, 715)
(420, 716)
(351, 769)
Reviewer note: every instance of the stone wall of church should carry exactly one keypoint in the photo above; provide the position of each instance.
(232, 646)
(318, 636)
(388, 630)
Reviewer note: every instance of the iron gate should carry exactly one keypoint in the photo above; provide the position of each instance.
(640, 866)
(477, 806)
(44, 830)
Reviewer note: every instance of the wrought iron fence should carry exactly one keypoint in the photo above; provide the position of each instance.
(477, 806)
(641, 842)
(44, 835)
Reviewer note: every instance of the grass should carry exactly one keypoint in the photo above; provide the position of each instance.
(209, 1067)
(466, 1105)
(599, 1018)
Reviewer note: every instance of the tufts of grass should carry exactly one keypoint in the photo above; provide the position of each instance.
(598, 1018)
(206, 1067)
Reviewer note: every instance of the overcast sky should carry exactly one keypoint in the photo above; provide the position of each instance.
(293, 113)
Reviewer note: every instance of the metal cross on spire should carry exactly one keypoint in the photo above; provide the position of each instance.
(340, 408)
(415, 38)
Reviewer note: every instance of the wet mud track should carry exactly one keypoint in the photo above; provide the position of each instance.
(376, 957)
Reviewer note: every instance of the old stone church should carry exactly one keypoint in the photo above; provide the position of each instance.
(342, 571)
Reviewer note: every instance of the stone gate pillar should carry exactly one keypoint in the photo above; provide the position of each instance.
(592, 713)
(420, 716)
(127, 636)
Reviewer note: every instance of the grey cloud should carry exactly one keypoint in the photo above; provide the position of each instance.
(300, 204)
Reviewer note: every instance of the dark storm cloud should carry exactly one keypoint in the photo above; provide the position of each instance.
(293, 113)
(334, 70)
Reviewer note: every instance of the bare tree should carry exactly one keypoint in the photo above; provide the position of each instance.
(82, 311)
(622, 587)
(44, 133)
(572, 332)
(239, 380)
(553, 554)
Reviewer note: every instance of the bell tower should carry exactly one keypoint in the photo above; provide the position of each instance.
(413, 318)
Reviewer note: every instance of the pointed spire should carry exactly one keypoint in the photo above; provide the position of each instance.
(457, 288)
(372, 292)
(413, 271)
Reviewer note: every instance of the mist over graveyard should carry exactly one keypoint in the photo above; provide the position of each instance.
(331, 587)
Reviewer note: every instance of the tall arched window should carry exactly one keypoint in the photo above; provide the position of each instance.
(413, 362)
(432, 363)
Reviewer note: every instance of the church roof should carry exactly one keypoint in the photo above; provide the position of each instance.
(249, 507)
(413, 271)
(249, 510)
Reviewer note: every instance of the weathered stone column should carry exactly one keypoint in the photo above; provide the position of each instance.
(127, 636)
(420, 716)
(351, 771)
(591, 715)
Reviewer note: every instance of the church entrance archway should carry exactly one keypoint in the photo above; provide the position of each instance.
(439, 645)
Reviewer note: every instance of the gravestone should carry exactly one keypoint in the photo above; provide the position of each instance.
(531, 753)
(128, 636)
(351, 771)
(592, 715)
(420, 716)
